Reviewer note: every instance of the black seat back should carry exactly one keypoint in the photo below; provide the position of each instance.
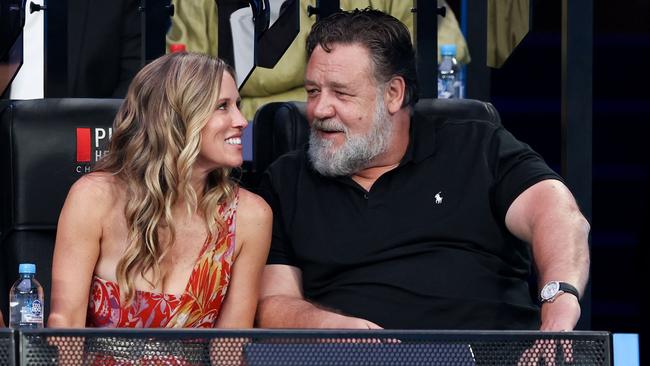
(45, 146)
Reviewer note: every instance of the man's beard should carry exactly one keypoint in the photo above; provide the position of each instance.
(357, 151)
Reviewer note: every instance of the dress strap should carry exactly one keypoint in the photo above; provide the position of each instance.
(231, 211)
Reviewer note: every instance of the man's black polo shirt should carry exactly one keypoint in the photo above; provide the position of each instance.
(427, 246)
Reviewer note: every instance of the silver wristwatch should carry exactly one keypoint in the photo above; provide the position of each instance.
(553, 289)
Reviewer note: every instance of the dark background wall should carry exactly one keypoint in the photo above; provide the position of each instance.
(526, 91)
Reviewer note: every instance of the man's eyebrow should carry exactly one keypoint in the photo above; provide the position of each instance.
(337, 85)
(331, 84)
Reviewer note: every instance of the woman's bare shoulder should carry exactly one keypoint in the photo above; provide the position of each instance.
(253, 207)
(254, 223)
(97, 187)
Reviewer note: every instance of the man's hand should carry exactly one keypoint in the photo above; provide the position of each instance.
(547, 350)
(339, 321)
(560, 315)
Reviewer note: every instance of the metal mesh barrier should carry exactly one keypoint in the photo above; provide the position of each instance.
(6, 347)
(260, 347)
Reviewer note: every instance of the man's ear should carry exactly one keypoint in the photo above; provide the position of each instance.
(394, 94)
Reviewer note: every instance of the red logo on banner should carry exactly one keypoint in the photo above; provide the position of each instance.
(83, 145)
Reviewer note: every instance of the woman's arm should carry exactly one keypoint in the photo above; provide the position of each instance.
(76, 251)
(253, 235)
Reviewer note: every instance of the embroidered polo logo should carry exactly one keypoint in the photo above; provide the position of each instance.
(438, 198)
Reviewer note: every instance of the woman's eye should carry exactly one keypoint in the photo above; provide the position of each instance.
(222, 106)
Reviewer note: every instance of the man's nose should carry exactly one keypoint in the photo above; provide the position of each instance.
(323, 108)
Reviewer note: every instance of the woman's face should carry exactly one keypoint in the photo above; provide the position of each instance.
(221, 145)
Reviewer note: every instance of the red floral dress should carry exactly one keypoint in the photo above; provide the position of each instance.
(197, 307)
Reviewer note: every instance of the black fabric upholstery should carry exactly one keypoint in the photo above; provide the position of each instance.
(38, 164)
(459, 109)
(280, 127)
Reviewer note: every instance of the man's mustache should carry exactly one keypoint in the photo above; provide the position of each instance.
(328, 125)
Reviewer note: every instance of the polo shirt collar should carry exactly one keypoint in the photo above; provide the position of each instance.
(421, 139)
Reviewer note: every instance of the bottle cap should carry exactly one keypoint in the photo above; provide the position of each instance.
(177, 47)
(448, 50)
(27, 268)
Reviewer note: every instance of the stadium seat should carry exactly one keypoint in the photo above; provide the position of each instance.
(45, 146)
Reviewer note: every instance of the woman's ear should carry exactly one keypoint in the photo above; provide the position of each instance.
(394, 94)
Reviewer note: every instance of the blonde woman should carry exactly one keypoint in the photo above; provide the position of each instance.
(158, 235)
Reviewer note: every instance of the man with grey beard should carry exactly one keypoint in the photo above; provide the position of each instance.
(392, 219)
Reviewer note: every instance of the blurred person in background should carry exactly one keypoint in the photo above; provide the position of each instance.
(195, 25)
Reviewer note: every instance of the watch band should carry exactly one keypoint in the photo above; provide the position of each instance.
(568, 288)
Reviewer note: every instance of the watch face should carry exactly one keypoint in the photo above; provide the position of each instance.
(550, 290)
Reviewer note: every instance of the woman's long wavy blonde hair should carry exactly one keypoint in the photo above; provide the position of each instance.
(155, 143)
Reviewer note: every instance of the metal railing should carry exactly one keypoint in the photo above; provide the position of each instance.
(257, 347)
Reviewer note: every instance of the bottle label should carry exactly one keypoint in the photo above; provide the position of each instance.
(32, 312)
(446, 89)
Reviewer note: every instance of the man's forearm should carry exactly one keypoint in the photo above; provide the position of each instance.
(281, 311)
(564, 257)
(289, 312)
(565, 253)
(547, 216)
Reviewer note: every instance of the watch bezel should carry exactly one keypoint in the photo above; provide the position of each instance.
(550, 291)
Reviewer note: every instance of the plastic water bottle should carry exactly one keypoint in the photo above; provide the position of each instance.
(449, 83)
(26, 305)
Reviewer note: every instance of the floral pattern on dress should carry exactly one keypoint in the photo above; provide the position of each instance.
(197, 307)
